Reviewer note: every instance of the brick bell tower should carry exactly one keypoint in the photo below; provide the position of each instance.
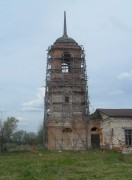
(66, 95)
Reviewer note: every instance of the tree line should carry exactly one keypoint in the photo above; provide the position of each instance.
(10, 135)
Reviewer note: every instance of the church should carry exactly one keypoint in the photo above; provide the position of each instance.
(68, 124)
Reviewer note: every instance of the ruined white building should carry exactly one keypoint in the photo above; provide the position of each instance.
(111, 129)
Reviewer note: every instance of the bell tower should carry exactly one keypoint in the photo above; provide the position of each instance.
(66, 95)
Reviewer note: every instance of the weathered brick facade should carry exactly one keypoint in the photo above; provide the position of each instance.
(66, 105)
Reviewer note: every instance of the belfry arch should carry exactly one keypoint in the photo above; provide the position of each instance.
(66, 62)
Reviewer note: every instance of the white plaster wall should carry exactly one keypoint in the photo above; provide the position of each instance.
(113, 130)
(106, 134)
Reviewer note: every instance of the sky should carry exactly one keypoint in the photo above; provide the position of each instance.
(28, 27)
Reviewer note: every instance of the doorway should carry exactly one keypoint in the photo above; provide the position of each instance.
(95, 141)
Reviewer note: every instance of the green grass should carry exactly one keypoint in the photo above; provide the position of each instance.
(67, 165)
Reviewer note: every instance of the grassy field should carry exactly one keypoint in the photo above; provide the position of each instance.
(67, 165)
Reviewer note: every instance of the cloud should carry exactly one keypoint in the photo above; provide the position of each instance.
(35, 104)
(125, 76)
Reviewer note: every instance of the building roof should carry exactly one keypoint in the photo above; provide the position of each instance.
(65, 38)
(116, 112)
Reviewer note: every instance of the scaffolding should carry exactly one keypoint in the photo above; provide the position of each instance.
(66, 104)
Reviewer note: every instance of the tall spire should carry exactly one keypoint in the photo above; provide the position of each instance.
(65, 28)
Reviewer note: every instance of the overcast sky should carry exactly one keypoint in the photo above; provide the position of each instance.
(28, 27)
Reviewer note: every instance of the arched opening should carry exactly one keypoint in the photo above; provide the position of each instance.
(66, 60)
(67, 130)
(94, 129)
(95, 138)
(67, 137)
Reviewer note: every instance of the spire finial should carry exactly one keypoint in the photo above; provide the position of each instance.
(65, 28)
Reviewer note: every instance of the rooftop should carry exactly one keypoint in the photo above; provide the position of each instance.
(116, 112)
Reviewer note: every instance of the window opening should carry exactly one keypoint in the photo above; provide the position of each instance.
(65, 68)
(128, 137)
(66, 58)
(66, 99)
